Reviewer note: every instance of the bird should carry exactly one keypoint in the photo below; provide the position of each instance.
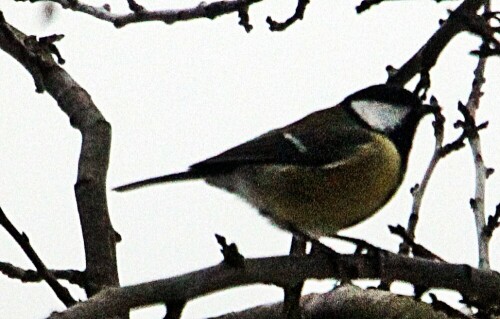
(324, 173)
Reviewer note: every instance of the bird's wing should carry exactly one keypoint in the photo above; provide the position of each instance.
(313, 148)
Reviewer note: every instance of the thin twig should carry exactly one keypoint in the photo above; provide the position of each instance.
(245, 19)
(72, 276)
(418, 190)
(22, 239)
(480, 169)
(134, 6)
(441, 306)
(469, 112)
(298, 15)
(169, 16)
(232, 256)
(367, 4)
(493, 223)
(417, 249)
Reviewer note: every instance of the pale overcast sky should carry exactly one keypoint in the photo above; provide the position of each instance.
(176, 94)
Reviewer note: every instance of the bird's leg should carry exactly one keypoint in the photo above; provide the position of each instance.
(291, 303)
(292, 293)
(316, 245)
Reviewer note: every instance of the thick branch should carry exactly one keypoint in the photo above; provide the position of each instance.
(480, 286)
(90, 188)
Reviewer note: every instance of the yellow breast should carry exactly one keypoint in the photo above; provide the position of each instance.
(322, 200)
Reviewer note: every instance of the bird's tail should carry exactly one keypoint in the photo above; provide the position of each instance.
(160, 179)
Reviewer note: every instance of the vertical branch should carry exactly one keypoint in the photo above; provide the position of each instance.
(90, 189)
(98, 235)
(477, 203)
(418, 190)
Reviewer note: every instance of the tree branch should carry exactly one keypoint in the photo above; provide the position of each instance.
(427, 56)
(418, 190)
(22, 239)
(298, 15)
(141, 14)
(482, 287)
(493, 223)
(475, 145)
(75, 277)
(417, 249)
(367, 4)
(90, 188)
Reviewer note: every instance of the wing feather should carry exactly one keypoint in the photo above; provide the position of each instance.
(288, 148)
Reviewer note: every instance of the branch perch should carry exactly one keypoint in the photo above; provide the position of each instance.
(482, 287)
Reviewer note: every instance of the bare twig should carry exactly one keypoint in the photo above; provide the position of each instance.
(245, 19)
(493, 223)
(481, 286)
(469, 113)
(134, 6)
(22, 239)
(417, 249)
(232, 256)
(451, 312)
(72, 276)
(418, 190)
(480, 26)
(140, 14)
(473, 137)
(298, 15)
(440, 151)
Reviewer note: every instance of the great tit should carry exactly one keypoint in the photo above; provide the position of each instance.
(328, 171)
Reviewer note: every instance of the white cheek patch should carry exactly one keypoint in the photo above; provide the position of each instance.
(296, 142)
(379, 115)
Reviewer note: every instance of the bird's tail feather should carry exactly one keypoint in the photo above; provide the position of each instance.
(160, 179)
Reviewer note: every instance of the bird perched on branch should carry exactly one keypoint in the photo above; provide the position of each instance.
(328, 171)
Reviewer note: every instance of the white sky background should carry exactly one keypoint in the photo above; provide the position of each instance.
(177, 94)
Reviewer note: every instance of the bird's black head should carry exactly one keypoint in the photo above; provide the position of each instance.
(390, 110)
